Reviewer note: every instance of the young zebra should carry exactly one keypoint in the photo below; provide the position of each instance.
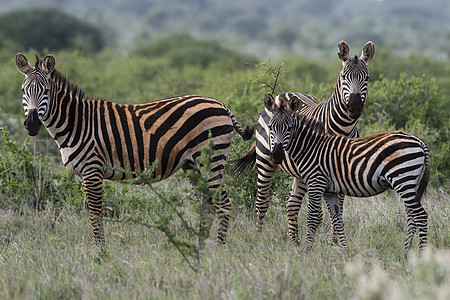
(96, 137)
(340, 115)
(359, 167)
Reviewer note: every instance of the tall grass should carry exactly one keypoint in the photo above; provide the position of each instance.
(50, 254)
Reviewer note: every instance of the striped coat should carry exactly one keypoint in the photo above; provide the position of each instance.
(359, 167)
(99, 139)
(340, 115)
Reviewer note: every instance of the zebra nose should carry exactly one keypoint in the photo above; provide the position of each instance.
(355, 105)
(277, 153)
(32, 123)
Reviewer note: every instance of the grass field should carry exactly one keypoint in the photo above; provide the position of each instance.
(50, 255)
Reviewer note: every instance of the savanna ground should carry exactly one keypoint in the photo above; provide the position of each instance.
(50, 255)
(46, 248)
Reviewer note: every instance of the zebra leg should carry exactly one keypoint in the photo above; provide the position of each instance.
(293, 205)
(223, 204)
(223, 209)
(420, 220)
(266, 172)
(333, 202)
(416, 216)
(410, 229)
(334, 234)
(207, 211)
(93, 188)
(315, 191)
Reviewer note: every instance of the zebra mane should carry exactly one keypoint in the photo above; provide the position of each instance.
(311, 123)
(62, 80)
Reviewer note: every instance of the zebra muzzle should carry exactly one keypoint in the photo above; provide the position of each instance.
(32, 123)
(355, 105)
(277, 153)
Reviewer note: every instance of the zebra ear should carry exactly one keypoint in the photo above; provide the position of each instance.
(344, 51)
(269, 102)
(294, 104)
(48, 64)
(22, 64)
(368, 52)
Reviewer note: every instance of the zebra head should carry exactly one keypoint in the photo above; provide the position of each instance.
(280, 124)
(35, 89)
(354, 77)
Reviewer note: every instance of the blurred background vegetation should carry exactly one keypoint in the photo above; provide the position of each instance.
(131, 52)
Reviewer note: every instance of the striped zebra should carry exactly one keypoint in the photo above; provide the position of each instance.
(359, 167)
(340, 115)
(97, 138)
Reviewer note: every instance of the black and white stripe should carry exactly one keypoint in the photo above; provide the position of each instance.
(98, 138)
(340, 115)
(359, 167)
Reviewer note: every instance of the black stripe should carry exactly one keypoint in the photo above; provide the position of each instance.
(105, 142)
(116, 134)
(189, 124)
(138, 137)
(216, 131)
(121, 112)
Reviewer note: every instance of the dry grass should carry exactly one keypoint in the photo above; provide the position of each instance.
(50, 255)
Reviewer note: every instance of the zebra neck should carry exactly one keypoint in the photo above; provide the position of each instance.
(66, 111)
(339, 121)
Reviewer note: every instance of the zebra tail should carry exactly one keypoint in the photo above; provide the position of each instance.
(425, 176)
(246, 132)
(246, 162)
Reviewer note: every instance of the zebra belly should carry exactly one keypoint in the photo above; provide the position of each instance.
(359, 186)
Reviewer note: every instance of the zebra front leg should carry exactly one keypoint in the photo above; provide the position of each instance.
(93, 188)
(315, 191)
(265, 177)
(293, 205)
(333, 202)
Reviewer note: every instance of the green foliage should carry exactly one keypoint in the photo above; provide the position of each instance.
(28, 180)
(47, 28)
(168, 208)
(181, 49)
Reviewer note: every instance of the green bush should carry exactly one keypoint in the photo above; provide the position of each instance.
(47, 28)
(30, 180)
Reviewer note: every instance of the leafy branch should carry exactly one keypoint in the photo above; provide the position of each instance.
(167, 224)
(272, 72)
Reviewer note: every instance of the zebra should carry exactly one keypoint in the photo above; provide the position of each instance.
(98, 139)
(340, 115)
(358, 167)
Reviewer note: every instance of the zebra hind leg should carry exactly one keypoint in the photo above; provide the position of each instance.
(416, 218)
(222, 203)
(223, 208)
(421, 221)
(206, 206)
(410, 229)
